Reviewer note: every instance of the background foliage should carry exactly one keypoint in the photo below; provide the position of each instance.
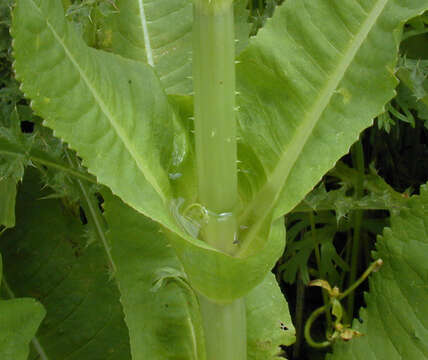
(330, 235)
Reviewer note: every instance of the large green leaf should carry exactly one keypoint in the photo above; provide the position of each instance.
(395, 322)
(47, 256)
(112, 110)
(161, 310)
(19, 320)
(115, 114)
(310, 81)
(160, 34)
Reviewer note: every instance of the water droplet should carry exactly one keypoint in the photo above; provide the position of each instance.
(222, 216)
(235, 239)
(175, 176)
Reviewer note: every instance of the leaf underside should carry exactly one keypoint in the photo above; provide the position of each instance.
(160, 33)
(395, 321)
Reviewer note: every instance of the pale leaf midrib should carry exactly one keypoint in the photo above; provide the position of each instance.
(119, 131)
(279, 176)
(146, 36)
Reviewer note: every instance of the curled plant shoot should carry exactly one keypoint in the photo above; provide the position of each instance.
(341, 331)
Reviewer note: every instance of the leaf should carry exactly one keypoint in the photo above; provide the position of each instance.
(160, 34)
(161, 311)
(128, 134)
(298, 253)
(269, 322)
(395, 322)
(112, 110)
(310, 81)
(160, 308)
(19, 320)
(46, 256)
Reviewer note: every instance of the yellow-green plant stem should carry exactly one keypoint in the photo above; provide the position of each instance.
(316, 313)
(321, 273)
(358, 162)
(224, 329)
(216, 155)
(215, 125)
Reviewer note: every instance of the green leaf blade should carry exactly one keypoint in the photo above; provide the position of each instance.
(19, 320)
(317, 74)
(158, 33)
(395, 324)
(47, 257)
(111, 110)
(269, 322)
(161, 312)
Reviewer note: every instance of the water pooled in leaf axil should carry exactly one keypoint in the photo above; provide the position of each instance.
(192, 217)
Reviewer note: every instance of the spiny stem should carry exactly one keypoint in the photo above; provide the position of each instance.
(94, 214)
(215, 124)
(52, 164)
(216, 155)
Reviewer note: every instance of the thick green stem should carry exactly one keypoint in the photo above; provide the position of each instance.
(215, 125)
(216, 155)
(224, 329)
